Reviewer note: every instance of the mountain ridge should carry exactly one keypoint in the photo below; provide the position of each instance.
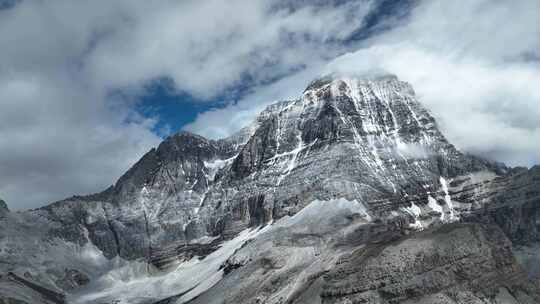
(365, 145)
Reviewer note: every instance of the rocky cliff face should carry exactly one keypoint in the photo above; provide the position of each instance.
(3, 208)
(452, 264)
(361, 157)
(455, 263)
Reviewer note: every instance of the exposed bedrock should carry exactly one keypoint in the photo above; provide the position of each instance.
(457, 263)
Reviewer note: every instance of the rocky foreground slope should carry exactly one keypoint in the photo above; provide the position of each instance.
(348, 194)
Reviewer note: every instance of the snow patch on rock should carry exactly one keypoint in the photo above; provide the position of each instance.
(448, 199)
(432, 203)
(416, 212)
(132, 282)
(214, 166)
(319, 210)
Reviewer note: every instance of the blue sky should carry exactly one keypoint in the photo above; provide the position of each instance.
(172, 109)
(88, 87)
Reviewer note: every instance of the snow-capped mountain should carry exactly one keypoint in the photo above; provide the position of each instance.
(348, 194)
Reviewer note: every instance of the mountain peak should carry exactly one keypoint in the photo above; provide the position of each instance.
(374, 120)
(384, 84)
(354, 107)
(374, 77)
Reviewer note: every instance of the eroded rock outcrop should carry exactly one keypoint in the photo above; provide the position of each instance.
(465, 263)
(3, 208)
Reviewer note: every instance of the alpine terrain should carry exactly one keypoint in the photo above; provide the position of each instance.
(348, 194)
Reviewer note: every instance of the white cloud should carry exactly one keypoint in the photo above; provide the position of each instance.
(470, 65)
(209, 46)
(467, 64)
(59, 141)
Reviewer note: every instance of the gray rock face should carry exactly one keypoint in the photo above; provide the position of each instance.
(511, 202)
(368, 140)
(3, 208)
(14, 287)
(452, 264)
(150, 205)
(328, 262)
(365, 145)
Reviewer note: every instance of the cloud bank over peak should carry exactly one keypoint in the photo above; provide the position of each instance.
(475, 66)
(469, 65)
